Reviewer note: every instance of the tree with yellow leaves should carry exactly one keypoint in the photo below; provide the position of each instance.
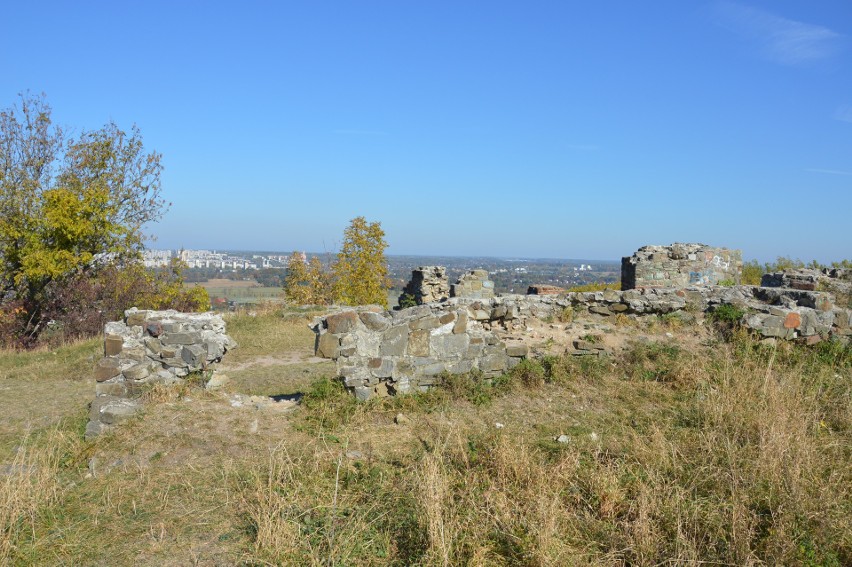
(68, 206)
(361, 270)
(307, 283)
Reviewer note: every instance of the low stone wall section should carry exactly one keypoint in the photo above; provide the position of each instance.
(149, 347)
(381, 353)
(680, 265)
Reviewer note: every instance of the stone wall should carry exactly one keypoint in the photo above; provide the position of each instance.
(809, 279)
(474, 284)
(428, 284)
(680, 265)
(381, 353)
(149, 347)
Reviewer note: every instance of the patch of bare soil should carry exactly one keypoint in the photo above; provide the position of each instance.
(558, 338)
(284, 359)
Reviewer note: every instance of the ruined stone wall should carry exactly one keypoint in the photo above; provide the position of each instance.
(680, 265)
(474, 284)
(149, 347)
(380, 353)
(428, 284)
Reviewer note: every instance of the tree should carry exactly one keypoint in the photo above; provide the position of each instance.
(68, 204)
(308, 283)
(361, 271)
(296, 284)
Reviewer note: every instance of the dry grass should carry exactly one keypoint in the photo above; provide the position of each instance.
(29, 484)
(731, 454)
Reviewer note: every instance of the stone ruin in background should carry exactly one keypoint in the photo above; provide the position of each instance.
(429, 284)
(380, 353)
(473, 284)
(680, 265)
(150, 347)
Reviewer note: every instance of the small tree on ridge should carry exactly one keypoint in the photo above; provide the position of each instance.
(361, 270)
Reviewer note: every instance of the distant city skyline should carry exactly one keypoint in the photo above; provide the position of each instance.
(499, 129)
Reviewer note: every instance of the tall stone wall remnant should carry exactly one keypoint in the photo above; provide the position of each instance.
(428, 284)
(473, 284)
(680, 265)
(148, 347)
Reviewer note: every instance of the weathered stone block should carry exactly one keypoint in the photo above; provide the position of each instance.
(328, 346)
(447, 346)
(394, 341)
(418, 343)
(113, 345)
(363, 393)
(461, 323)
(136, 318)
(138, 371)
(481, 315)
(169, 351)
(517, 350)
(106, 368)
(425, 323)
(381, 367)
(175, 362)
(493, 363)
(115, 410)
(154, 346)
(170, 327)
(340, 323)
(460, 367)
(374, 321)
(137, 353)
(181, 338)
(215, 350)
(600, 310)
(194, 355)
(431, 370)
(115, 389)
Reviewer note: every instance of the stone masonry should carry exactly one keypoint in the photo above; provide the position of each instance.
(474, 284)
(680, 265)
(428, 284)
(381, 353)
(150, 347)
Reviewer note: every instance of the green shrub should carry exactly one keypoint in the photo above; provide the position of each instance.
(727, 313)
(328, 405)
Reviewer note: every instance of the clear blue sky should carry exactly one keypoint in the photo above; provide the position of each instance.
(560, 129)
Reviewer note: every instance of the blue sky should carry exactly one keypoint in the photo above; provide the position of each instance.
(540, 129)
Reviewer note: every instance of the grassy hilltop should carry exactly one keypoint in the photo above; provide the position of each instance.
(725, 451)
